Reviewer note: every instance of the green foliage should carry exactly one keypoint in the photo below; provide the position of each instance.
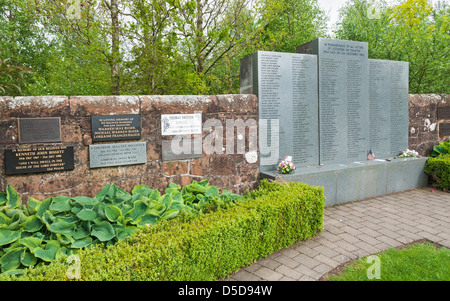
(418, 262)
(208, 247)
(42, 231)
(438, 169)
(11, 78)
(441, 149)
(410, 30)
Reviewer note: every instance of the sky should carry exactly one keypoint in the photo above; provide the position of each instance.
(331, 9)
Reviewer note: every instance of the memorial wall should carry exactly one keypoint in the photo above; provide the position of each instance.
(56, 145)
(332, 102)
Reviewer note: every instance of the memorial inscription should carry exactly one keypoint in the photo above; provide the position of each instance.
(181, 124)
(39, 159)
(38, 130)
(343, 98)
(388, 98)
(286, 86)
(117, 154)
(116, 127)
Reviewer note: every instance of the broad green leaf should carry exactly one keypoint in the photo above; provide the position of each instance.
(2, 197)
(28, 259)
(32, 224)
(138, 210)
(127, 231)
(84, 200)
(79, 233)
(212, 191)
(32, 205)
(142, 190)
(170, 213)
(178, 197)
(62, 227)
(43, 206)
(112, 212)
(159, 208)
(81, 243)
(154, 195)
(15, 221)
(8, 236)
(102, 193)
(103, 231)
(166, 200)
(174, 185)
(64, 240)
(31, 242)
(11, 260)
(60, 204)
(149, 219)
(76, 209)
(12, 197)
(4, 219)
(100, 209)
(47, 253)
(87, 215)
(47, 218)
(16, 272)
(177, 205)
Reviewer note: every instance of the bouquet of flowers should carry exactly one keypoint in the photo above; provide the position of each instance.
(286, 166)
(408, 153)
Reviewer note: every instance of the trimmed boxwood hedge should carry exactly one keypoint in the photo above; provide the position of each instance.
(208, 247)
(438, 169)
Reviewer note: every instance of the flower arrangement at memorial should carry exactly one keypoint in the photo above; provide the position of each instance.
(408, 153)
(286, 166)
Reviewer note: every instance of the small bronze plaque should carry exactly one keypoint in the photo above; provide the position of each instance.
(38, 130)
(39, 159)
(116, 127)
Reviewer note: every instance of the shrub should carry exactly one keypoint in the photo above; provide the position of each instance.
(438, 168)
(42, 231)
(207, 247)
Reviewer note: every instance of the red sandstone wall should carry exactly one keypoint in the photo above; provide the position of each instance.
(429, 121)
(231, 172)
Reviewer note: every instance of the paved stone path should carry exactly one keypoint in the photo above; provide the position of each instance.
(358, 229)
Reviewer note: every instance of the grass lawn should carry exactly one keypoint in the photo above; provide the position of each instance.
(415, 262)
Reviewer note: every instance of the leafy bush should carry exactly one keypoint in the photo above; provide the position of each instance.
(42, 231)
(438, 169)
(208, 247)
(441, 149)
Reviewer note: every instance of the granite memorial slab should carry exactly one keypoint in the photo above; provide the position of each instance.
(286, 86)
(343, 73)
(389, 114)
(116, 127)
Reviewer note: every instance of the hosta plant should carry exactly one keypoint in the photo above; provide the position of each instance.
(42, 231)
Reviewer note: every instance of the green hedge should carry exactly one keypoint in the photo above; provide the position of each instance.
(438, 169)
(208, 247)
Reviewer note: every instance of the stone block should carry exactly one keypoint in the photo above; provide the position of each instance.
(82, 106)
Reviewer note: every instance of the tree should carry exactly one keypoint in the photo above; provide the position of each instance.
(412, 31)
(11, 78)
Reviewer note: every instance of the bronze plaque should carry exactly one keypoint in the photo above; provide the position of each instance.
(38, 159)
(38, 130)
(116, 127)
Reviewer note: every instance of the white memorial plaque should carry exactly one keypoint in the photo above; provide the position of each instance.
(181, 124)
